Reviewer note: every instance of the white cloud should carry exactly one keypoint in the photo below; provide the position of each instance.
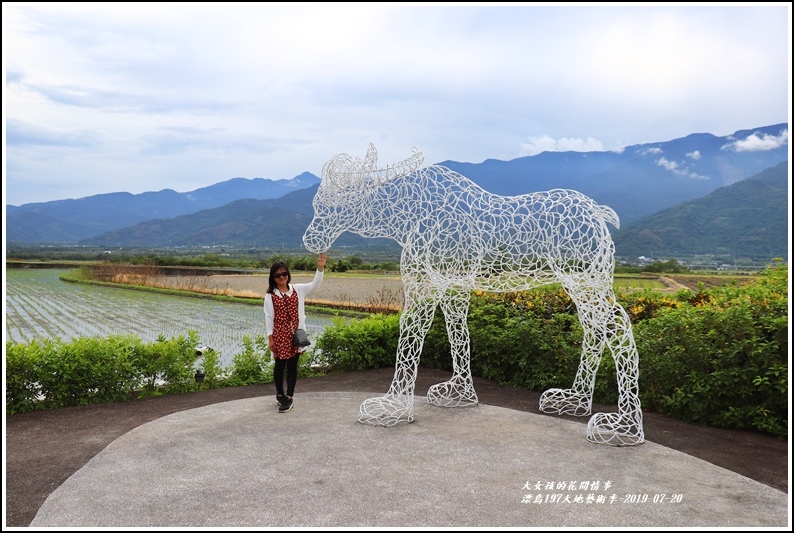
(20, 133)
(544, 143)
(136, 97)
(669, 165)
(653, 150)
(694, 155)
(758, 143)
(679, 170)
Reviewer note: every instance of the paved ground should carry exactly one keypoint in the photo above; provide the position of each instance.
(227, 458)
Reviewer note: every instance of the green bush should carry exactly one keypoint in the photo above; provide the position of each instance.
(252, 365)
(360, 344)
(87, 371)
(22, 375)
(50, 374)
(722, 360)
(209, 364)
(167, 365)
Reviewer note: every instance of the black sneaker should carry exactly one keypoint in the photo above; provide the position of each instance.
(286, 406)
(280, 399)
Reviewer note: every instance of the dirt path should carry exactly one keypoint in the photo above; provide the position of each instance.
(672, 284)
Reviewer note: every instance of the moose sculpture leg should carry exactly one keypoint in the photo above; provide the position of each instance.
(604, 324)
(397, 405)
(623, 428)
(459, 390)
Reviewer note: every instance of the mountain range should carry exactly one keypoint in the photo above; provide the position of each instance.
(746, 219)
(69, 221)
(637, 182)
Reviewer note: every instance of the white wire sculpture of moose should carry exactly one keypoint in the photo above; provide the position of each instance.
(456, 238)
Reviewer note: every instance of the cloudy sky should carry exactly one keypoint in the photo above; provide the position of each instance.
(110, 97)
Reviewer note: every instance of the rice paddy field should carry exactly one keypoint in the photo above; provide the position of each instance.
(39, 305)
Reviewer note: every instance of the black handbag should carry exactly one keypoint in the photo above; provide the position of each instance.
(300, 338)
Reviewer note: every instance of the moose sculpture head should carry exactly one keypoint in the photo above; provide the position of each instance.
(348, 188)
(456, 238)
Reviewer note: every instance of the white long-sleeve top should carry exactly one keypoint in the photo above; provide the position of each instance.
(302, 289)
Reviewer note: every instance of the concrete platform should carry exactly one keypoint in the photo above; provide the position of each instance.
(243, 464)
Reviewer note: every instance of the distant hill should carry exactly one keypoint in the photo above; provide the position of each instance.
(69, 221)
(255, 223)
(748, 218)
(637, 182)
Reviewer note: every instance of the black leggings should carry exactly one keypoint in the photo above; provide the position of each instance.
(292, 374)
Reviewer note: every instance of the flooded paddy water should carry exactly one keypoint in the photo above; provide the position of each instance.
(39, 305)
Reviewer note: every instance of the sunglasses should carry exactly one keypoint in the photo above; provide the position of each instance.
(281, 275)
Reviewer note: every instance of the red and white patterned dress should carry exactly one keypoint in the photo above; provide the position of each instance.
(285, 322)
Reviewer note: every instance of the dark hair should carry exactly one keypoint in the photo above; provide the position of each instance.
(271, 280)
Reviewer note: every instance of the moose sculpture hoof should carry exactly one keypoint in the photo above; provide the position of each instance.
(386, 411)
(615, 429)
(452, 393)
(565, 402)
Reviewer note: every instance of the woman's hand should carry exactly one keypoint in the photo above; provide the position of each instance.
(321, 261)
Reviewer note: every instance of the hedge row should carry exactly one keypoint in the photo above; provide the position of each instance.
(49, 374)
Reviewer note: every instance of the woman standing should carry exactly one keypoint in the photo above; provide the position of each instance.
(284, 313)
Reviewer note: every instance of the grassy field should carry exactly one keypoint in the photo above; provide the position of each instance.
(637, 282)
